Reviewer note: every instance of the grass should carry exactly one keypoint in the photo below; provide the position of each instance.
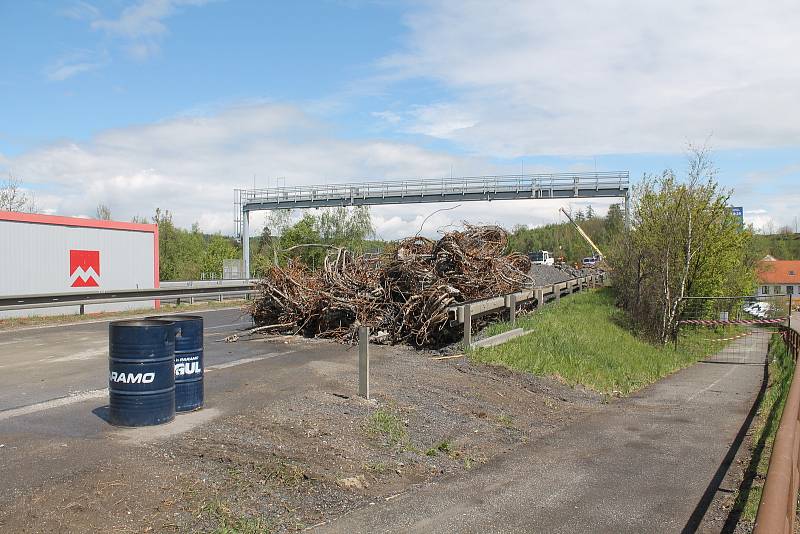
(385, 423)
(19, 322)
(781, 370)
(584, 340)
(228, 522)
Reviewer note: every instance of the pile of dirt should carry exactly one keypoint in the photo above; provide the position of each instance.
(403, 295)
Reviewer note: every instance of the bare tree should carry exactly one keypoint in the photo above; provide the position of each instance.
(14, 198)
(103, 212)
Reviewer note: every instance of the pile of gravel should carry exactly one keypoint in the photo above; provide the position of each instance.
(544, 275)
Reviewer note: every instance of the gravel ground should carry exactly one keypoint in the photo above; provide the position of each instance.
(544, 275)
(314, 455)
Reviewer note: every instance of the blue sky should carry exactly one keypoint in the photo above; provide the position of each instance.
(140, 104)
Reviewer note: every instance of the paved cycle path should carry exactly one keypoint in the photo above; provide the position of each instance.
(649, 463)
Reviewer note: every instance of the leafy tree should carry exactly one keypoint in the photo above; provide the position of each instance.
(217, 249)
(180, 251)
(684, 241)
(310, 238)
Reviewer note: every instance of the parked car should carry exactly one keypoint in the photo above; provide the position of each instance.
(758, 309)
(589, 262)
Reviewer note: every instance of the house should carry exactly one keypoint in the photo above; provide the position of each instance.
(778, 277)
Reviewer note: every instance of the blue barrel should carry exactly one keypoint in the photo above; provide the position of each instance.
(141, 380)
(188, 361)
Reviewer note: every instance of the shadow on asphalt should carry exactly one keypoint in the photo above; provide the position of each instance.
(708, 496)
(102, 413)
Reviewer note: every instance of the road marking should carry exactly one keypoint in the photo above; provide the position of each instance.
(54, 403)
(97, 393)
(240, 323)
(243, 361)
(82, 355)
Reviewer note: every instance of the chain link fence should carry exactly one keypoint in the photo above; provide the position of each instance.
(742, 326)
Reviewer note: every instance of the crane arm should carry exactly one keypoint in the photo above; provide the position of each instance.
(582, 233)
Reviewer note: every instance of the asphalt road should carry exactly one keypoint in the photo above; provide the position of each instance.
(53, 397)
(650, 463)
(46, 363)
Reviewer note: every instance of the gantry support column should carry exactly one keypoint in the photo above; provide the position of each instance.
(246, 243)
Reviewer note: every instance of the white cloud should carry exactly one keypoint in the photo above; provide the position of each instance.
(191, 165)
(585, 77)
(81, 11)
(74, 63)
(140, 25)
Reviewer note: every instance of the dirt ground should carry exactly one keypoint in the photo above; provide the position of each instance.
(310, 457)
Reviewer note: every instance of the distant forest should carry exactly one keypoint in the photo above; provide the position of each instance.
(562, 239)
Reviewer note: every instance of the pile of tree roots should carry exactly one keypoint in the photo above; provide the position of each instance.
(402, 294)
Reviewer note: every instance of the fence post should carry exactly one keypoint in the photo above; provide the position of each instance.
(557, 291)
(511, 302)
(363, 361)
(467, 327)
(539, 298)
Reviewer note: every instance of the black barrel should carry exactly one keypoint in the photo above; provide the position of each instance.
(188, 361)
(141, 380)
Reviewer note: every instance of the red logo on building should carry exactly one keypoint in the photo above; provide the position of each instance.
(84, 268)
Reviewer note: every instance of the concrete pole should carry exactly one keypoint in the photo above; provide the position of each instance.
(246, 243)
(539, 298)
(363, 361)
(512, 309)
(467, 327)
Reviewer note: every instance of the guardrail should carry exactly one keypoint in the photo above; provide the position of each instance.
(465, 312)
(778, 507)
(178, 291)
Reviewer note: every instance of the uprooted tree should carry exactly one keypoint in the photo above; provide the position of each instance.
(403, 295)
(683, 241)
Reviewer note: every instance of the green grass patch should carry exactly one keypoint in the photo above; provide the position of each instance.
(385, 423)
(447, 448)
(227, 522)
(781, 370)
(583, 339)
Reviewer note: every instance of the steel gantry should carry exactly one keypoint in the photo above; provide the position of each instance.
(463, 189)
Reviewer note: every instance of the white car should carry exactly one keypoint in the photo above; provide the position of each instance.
(589, 262)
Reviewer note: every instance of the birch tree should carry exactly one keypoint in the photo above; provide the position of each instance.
(684, 241)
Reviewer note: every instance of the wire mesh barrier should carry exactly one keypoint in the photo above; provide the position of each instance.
(741, 326)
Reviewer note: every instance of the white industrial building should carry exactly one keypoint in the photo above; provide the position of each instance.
(43, 254)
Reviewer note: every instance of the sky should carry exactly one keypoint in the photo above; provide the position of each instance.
(140, 104)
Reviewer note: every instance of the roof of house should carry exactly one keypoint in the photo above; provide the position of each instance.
(779, 272)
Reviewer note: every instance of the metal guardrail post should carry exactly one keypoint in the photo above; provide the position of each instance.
(82, 309)
(363, 361)
(467, 327)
